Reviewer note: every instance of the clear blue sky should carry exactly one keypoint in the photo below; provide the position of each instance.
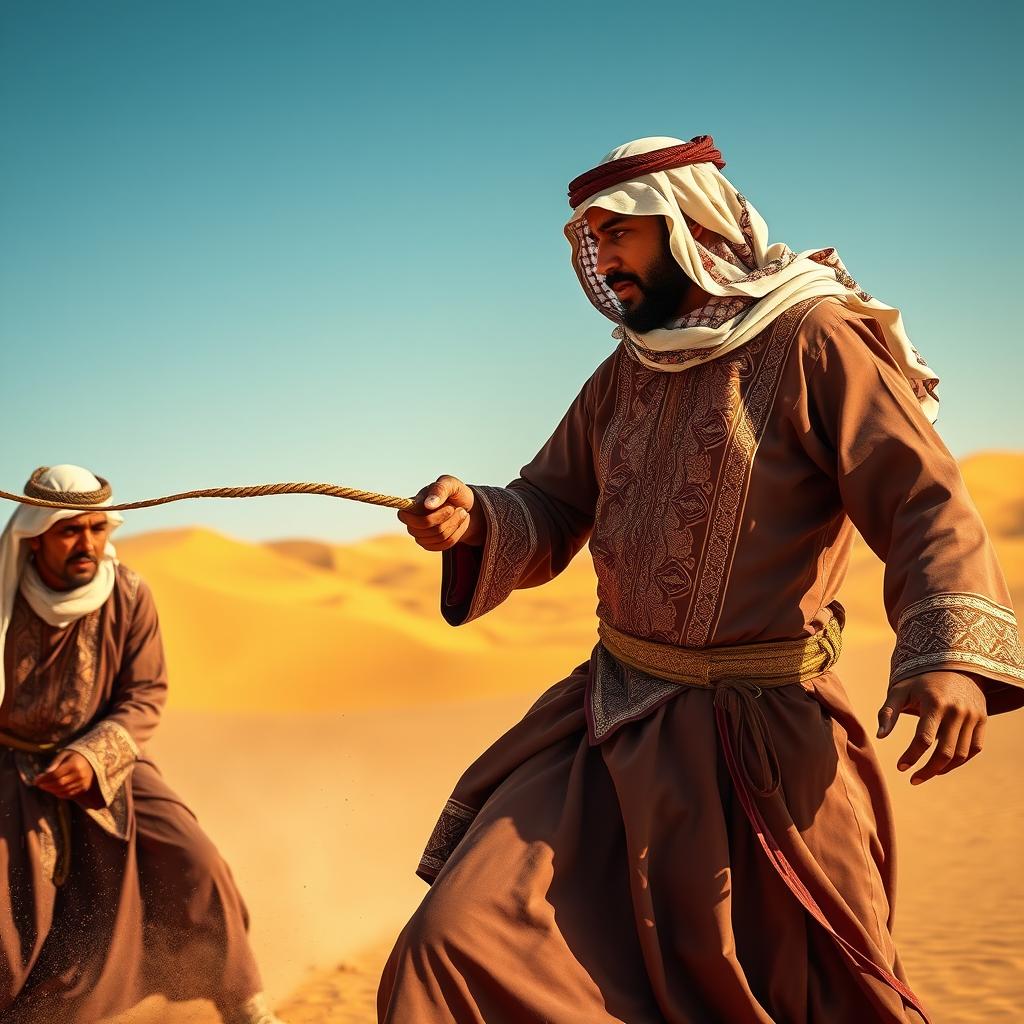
(250, 241)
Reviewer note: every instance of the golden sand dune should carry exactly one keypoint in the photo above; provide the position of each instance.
(272, 628)
(995, 482)
(303, 625)
(323, 807)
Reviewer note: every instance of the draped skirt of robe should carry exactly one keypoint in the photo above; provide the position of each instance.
(624, 882)
(157, 912)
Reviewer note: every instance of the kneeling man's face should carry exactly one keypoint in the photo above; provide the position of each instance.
(68, 554)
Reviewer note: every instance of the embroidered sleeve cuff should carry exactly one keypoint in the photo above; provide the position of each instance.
(448, 832)
(472, 582)
(965, 632)
(112, 752)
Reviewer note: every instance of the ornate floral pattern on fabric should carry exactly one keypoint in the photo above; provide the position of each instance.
(716, 311)
(672, 357)
(132, 580)
(830, 258)
(53, 684)
(53, 833)
(674, 468)
(52, 825)
(111, 751)
(41, 712)
(511, 543)
(448, 832)
(618, 693)
(964, 628)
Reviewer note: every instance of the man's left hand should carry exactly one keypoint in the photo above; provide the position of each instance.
(69, 775)
(952, 712)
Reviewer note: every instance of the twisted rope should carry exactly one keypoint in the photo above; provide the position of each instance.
(251, 491)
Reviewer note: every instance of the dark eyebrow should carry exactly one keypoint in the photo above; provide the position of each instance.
(79, 527)
(613, 222)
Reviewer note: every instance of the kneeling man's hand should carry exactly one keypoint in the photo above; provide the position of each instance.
(952, 712)
(69, 775)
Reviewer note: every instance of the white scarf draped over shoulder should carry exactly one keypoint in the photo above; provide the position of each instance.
(750, 281)
(59, 608)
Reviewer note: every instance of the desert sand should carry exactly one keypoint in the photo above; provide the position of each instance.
(321, 711)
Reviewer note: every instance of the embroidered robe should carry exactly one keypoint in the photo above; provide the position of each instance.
(116, 894)
(596, 863)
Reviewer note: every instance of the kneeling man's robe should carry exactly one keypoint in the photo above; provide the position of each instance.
(116, 894)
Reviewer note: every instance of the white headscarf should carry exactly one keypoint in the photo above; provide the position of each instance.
(57, 607)
(750, 281)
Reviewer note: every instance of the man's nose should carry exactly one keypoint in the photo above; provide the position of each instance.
(607, 262)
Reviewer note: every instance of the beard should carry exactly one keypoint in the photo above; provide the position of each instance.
(77, 573)
(662, 288)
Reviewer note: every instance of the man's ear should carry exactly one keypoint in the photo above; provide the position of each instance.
(34, 544)
(696, 230)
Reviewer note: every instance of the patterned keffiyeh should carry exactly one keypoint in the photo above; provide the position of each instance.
(750, 281)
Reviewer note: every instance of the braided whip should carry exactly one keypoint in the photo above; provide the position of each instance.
(252, 491)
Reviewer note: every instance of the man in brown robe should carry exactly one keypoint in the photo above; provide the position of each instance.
(693, 827)
(111, 890)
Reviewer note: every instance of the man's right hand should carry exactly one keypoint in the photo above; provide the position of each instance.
(69, 775)
(443, 516)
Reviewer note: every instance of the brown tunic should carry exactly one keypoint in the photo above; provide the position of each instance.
(116, 894)
(596, 864)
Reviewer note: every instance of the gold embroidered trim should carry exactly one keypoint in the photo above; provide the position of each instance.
(734, 477)
(620, 693)
(659, 464)
(52, 827)
(132, 580)
(112, 752)
(51, 705)
(448, 832)
(674, 468)
(53, 832)
(957, 627)
(510, 545)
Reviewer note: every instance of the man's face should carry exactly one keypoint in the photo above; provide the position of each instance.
(634, 258)
(68, 554)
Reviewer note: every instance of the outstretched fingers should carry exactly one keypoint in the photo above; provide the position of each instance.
(889, 712)
(970, 743)
(947, 738)
(925, 735)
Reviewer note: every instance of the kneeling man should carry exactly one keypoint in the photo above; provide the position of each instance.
(110, 889)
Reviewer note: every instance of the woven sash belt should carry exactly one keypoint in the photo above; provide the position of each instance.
(14, 743)
(738, 675)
